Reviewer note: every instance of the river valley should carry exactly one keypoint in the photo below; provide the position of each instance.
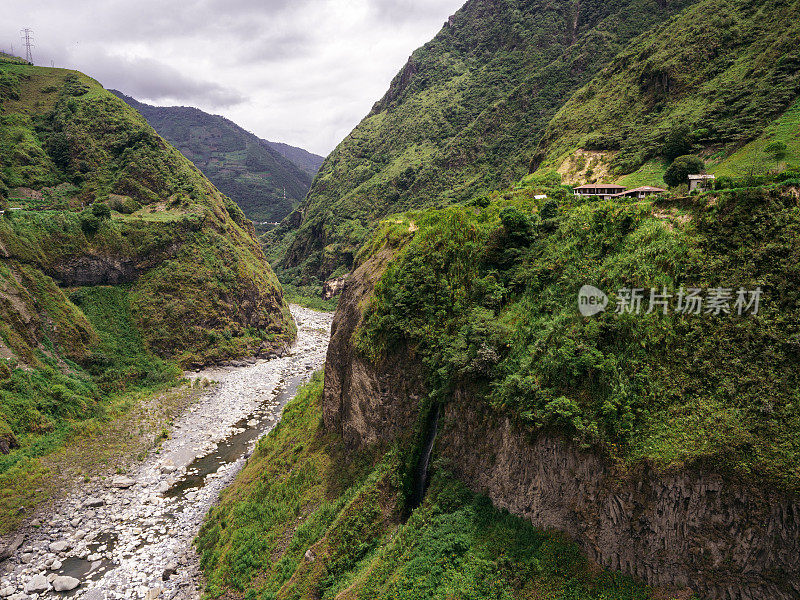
(130, 536)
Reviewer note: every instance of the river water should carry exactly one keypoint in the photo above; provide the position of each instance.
(136, 542)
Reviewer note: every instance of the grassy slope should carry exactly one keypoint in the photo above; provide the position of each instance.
(206, 291)
(300, 492)
(464, 116)
(307, 161)
(487, 297)
(725, 69)
(58, 400)
(247, 169)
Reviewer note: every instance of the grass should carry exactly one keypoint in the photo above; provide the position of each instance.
(651, 173)
(752, 158)
(309, 297)
(301, 496)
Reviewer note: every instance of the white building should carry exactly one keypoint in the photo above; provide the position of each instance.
(603, 190)
(700, 182)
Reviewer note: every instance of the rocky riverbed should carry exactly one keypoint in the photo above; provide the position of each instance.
(130, 536)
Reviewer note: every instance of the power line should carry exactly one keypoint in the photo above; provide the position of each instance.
(26, 35)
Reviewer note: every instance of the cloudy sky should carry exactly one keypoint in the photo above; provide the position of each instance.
(303, 72)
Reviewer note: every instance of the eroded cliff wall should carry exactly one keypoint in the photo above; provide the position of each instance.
(688, 528)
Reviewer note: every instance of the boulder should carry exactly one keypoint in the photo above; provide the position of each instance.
(59, 547)
(64, 583)
(93, 502)
(152, 594)
(38, 583)
(171, 569)
(7, 550)
(122, 482)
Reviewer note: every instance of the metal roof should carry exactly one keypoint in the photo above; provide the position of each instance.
(600, 185)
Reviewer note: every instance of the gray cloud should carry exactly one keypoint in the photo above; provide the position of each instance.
(299, 71)
(404, 11)
(151, 80)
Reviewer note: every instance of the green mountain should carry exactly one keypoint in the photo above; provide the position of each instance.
(721, 80)
(119, 260)
(592, 90)
(308, 162)
(463, 116)
(266, 179)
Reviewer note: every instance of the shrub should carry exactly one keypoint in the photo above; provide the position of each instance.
(89, 222)
(680, 169)
(101, 210)
(124, 204)
(678, 142)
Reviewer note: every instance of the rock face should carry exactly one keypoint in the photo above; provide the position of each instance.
(365, 404)
(686, 528)
(96, 270)
(333, 287)
(682, 529)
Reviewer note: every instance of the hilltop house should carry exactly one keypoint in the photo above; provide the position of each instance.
(609, 190)
(604, 190)
(641, 192)
(700, 182)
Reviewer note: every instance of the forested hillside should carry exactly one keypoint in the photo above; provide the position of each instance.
(267, 180)
(707, 82)
(465, 115)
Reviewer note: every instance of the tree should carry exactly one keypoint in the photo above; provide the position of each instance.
(683, 166)
(679, 142)
(776, 151)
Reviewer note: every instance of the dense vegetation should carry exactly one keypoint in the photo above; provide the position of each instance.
(598, 91)
(119, 262)
(253, 172)
(106, 200)
(464, 116)
(707, 81)
(305, 520)
(485, 296)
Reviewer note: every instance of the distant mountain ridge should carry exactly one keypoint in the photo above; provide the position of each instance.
(266, 179)
(307, 161)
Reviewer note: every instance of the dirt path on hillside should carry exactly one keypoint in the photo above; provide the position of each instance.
(131, 536)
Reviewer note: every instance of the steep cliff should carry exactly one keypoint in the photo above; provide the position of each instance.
(685, 480)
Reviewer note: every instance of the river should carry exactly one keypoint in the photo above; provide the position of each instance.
(131, 535)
